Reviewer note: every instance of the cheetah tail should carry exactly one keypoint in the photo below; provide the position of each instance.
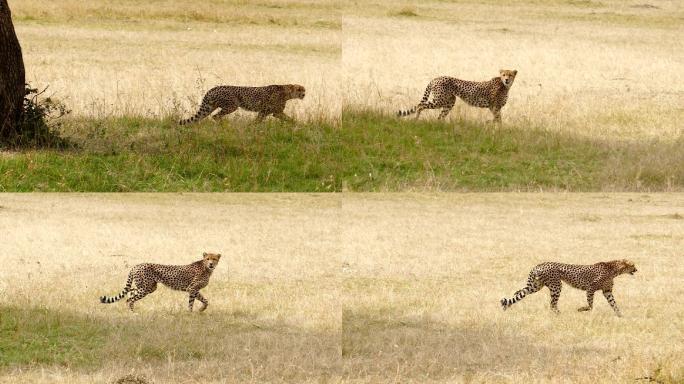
(204, 111)
(426, 96)
(113, 299)
(533, 285)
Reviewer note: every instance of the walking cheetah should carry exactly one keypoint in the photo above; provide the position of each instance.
(491, 94)
(269, 100)
(188, 278)
(590, 278)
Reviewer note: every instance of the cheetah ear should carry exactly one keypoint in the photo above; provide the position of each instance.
(204, 254)
(515, 72)
(218, 255)
(501, 71)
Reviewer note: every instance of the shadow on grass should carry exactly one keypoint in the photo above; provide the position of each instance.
(137, 154)
(381, 344)
(406, 154)
(37, 336)
(370, 151)
(40, 338)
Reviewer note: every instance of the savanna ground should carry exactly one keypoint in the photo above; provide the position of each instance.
(596, 106)
(273, 312)
(597, 103)
(129, 71)
(339, 288)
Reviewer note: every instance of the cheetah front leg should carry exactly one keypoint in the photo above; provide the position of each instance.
(497, 114)
(611, 301)
(203, 300)
(193, 293)
(590, 302)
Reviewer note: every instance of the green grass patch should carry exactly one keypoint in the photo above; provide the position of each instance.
(406, 12)
(35, 336)
(396, 154)
(138, 154)
(370, 151)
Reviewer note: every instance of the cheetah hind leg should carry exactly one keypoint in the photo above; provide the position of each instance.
(140, 293)
(590, 302)
(260, 117)
(225, 110)
(445, 111)
(533, 285)
(555, 289)
(205, 110)
(283, 117)
(422, 106)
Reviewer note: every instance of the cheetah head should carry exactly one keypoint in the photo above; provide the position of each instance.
(297, 91)
(210, 260)
(625, 266)
(507, 76)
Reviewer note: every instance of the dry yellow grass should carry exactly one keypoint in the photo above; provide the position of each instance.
(272, 313)
(351, 288)
(426, 272)
(604, 69)
(158, 58)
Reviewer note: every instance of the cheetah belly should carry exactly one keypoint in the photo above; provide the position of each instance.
(475, 100)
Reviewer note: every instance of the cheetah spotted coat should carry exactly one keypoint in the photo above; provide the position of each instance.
(269, 100)
(491, 94)
(589, 278)
(188, 278)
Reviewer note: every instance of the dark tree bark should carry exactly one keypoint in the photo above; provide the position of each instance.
(12, 76)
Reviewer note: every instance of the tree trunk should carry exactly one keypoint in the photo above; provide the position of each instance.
(12, 76)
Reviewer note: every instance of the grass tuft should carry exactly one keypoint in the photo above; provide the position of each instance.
(407, 12)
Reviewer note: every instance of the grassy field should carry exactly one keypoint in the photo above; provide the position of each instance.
(596, 105)
(608, 69)
(158, 58)
(273, 314)
(423, 276)
(339, 288)
(139, 154)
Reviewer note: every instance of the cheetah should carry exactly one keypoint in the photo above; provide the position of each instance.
(188, 278)
(268, 100)
(491, 94)
(589, 278)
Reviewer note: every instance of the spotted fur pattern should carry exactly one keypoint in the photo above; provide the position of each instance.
(491, 94)
(589, 278)
(269, 100)
(188, 278)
